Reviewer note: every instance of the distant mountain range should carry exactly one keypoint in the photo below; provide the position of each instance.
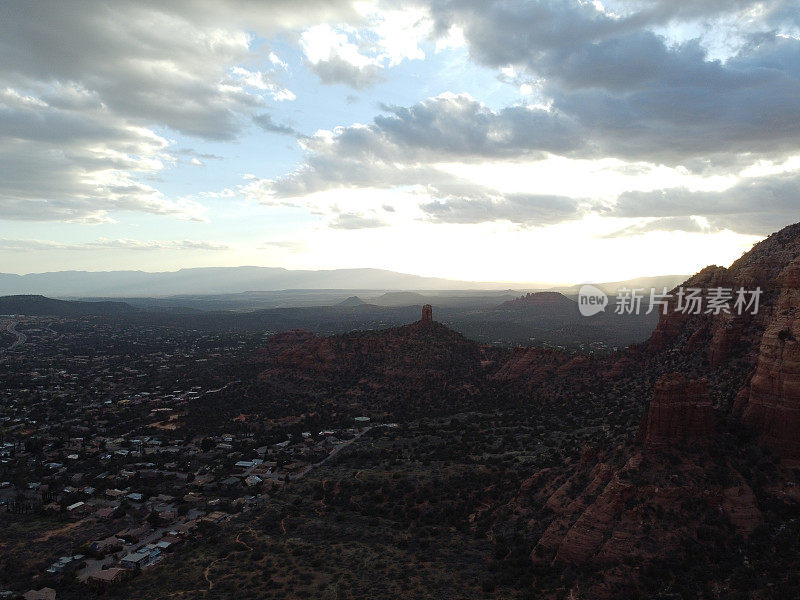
(220, 280)
(237, 280)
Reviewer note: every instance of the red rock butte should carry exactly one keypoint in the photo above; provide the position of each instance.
(427, 314)
(771, 404)
(680, 413)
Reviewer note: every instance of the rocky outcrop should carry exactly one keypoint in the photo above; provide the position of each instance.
(536, 365)
(771, 403)
(410, 365)
(427, 314)
(545, 299)
(680, 413)
(672, 323)
(661, 499)
(739, 505)
(604, 515)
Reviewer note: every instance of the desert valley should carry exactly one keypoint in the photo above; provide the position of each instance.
(393, 462)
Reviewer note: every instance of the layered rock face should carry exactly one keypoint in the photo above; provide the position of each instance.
(719, 335)
(427, 314)
(672, 323)
(771, 404)
(535, 365)
(649, 503)
(603, 522)
(765, 344)
(680, 413)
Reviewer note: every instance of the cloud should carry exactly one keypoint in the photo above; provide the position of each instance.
(129, 244)
(91, 95)
(195, 154)
(111, 244)
(84, 89)
(356, 221)
(609, 87)
(334, 58)
(265, 122)
(657, 12)
(359, 57)
(398, 148)
(179, 64)
(143, 65)
(58, 162)
(293, 246)
(338, 70)
(755, 206)
(687, 224)
(401, 148)
(521, 209)
(633, 94)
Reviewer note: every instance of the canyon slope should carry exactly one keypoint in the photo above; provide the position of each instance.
(710, 473)
(668, 469)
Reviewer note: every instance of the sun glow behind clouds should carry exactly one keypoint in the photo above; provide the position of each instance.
(502, 252)
(521, 141)
(602, 179)
(498, 251)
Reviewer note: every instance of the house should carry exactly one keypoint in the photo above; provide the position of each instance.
(66, 564)
(42, 594)
(253, 480)
(154, 549)
(215, 517)
(104, 513)
(104, 546)
(169, 541)
(230, 482)
(106, 577)
(136, 560)
(134, 533)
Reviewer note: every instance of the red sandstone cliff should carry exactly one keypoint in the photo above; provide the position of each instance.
(680, 413)
(771, 403)
(604, 515)
(764, 344)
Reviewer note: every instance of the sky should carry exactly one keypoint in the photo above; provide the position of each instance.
(554, 141)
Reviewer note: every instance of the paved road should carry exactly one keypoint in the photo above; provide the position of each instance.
(21, 337)
(333, 453)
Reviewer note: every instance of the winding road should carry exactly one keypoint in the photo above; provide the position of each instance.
(21, 337)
